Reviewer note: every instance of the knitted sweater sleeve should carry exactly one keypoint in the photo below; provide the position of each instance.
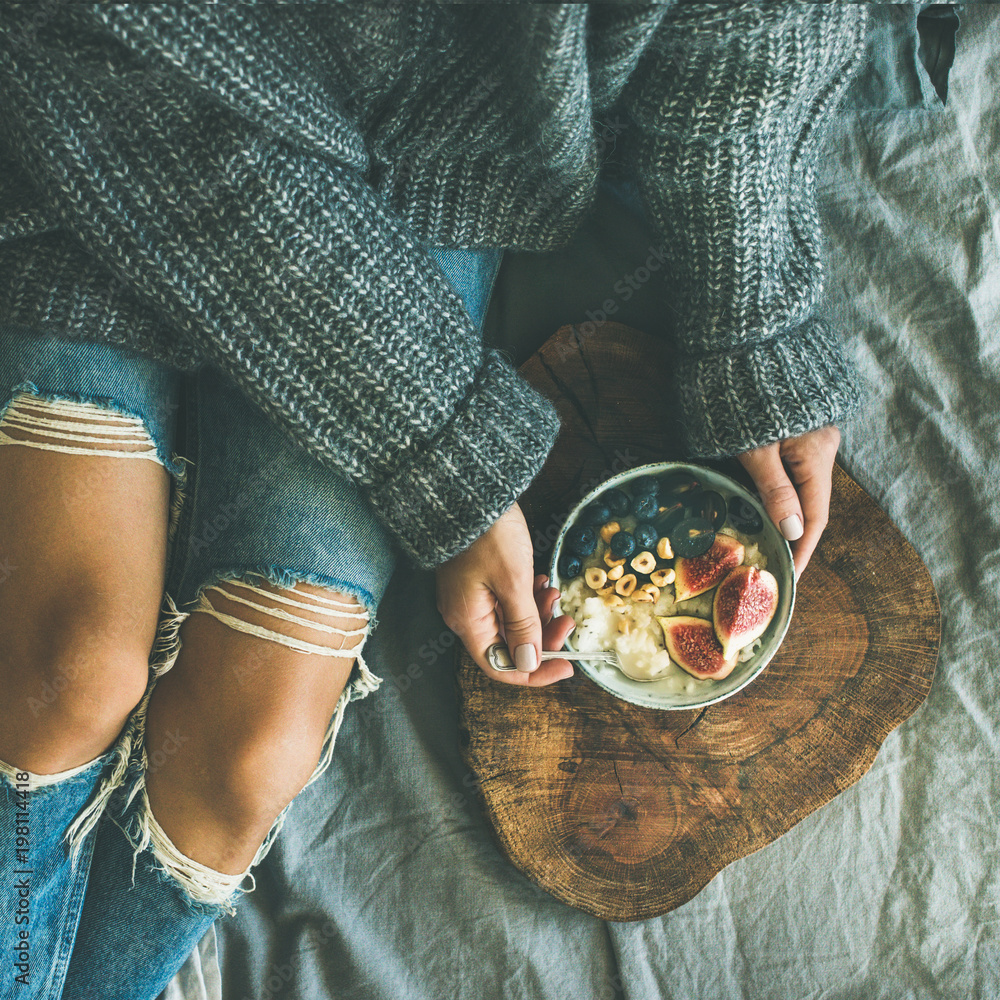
(727, 110)
(286, 270)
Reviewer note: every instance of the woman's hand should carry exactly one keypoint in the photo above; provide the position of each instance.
(486, 594)
(794, 478)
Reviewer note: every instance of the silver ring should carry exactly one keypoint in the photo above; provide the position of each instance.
(499, 657)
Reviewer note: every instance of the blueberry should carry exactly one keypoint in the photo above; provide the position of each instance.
(644, 506)
(595, 513)
(617, 500)
(569, 566)
(644, 486)
(622, 545)
(646, 536)
(581, 540)
(743, 516)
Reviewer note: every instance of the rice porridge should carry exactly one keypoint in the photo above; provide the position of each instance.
(642, 650)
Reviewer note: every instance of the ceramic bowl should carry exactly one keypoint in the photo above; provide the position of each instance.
(680, 691)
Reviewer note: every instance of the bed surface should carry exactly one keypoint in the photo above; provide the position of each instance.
(385, 883)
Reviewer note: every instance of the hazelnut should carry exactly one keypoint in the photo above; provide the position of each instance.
(609, 530)
(647, 594)
(626, 584)
(614, 601)
(616, 572)
(624, 625)
(609, 560)
(644, 562)
(595, 577)
(662, 577)
(663, 549)
(604, 591)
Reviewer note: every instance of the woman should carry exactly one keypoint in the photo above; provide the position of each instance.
(239, 381)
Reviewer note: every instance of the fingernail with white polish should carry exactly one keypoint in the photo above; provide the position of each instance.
(791, 527)
(525, 658)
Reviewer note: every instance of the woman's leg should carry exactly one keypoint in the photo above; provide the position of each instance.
(83, 536)
(79, 608)
(239, 728)
(276, 569)
(254, 713)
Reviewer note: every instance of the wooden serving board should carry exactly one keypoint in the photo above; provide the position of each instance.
(627, 812)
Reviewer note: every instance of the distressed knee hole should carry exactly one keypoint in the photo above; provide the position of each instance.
(306, 618)
(201, 883)
(74, 428)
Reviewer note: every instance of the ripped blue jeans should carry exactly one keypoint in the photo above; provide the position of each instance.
(96, 899)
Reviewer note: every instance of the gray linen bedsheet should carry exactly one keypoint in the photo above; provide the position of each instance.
(385, 883)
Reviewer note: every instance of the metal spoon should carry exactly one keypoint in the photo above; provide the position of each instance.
(500, 659)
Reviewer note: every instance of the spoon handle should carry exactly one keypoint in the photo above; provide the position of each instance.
(565, 654)
(500, 659)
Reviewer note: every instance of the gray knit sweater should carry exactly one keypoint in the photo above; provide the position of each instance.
(249, 186)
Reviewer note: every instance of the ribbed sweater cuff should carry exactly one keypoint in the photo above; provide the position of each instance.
(765, 391)
(473, 470)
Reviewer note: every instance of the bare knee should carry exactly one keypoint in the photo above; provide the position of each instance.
(257, 776)
(72, 672)
(258, 709)
(218, 776)
(83, 527)
(252, 711)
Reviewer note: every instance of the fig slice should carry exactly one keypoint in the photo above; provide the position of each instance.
(692, 645)
(743, 607)
(701, 573)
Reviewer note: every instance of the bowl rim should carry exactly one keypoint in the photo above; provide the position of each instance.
(660, 468)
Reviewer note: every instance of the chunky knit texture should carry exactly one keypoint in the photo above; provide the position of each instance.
(251, 186)
(731, 106)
